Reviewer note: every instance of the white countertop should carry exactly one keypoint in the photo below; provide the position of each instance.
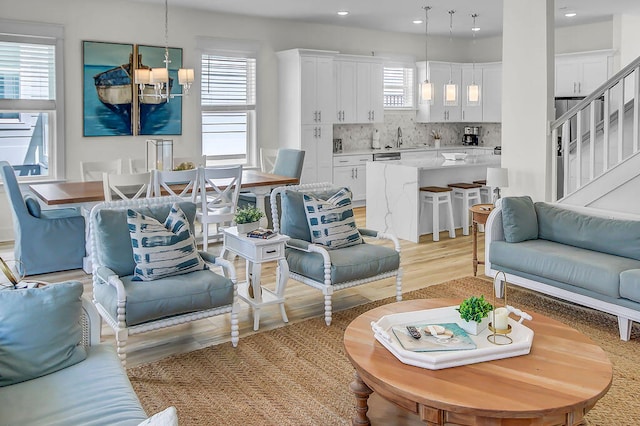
(433, 163)
(414, 148)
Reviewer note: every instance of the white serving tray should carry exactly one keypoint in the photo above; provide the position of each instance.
(485, 351)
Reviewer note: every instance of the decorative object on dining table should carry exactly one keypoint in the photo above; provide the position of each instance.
(185, 165)
(159, 154)
(248, 219)
(499, 325)
(474, 311)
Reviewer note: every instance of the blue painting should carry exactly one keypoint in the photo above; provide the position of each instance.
(107, 89)
(114, 106)
(160, 116)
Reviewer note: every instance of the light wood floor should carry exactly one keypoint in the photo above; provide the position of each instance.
(424, 264)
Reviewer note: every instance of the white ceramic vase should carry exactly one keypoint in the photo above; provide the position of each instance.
(473, 327)
(244, 228)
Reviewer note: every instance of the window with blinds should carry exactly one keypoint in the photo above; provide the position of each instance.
(228, 103)
(28, 103)
(398, 87)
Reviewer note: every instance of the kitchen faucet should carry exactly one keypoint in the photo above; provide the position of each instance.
(399, 140)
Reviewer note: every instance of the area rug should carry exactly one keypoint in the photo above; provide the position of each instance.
(299, 374)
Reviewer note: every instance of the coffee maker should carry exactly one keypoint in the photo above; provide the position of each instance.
(470, 136)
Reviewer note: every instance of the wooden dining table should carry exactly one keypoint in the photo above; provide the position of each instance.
(91, 193)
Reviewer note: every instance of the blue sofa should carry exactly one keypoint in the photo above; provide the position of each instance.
(53, 368)
(582, 255)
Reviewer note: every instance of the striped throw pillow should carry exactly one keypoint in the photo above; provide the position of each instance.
(331, 222)
(162, 250)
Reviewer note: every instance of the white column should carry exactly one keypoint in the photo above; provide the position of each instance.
(527, 96)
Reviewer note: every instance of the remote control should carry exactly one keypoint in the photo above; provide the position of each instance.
(413, 332)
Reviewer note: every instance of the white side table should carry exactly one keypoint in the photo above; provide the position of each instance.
(257, 251)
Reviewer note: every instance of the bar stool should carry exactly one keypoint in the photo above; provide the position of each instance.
(436, 196)
(469, 194)
(485, 191)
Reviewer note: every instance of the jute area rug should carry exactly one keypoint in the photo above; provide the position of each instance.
(299, 374)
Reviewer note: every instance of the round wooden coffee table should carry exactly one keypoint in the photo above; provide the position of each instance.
(560, 380)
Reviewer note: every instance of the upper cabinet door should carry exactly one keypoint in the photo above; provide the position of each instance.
(308, 83)
(377, 92)
(491, 93)
(325, 93)
(471, 74)
(345, 76)
(581, 74)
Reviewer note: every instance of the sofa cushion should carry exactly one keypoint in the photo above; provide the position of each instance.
(111, 234)
(347, 264)
(181, 294)
(331, 222)
(591, 270)
(40, 331)
(293, 220)
(613, 236)
(519, 220)
(93, 392)
(161, 250)
(630, 285)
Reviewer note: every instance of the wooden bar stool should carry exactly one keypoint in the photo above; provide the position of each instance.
(468, 194)
(485, 191)
(436, 196)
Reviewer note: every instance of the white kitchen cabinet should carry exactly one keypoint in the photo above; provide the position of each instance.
(491, 92)
(350, 171)
(369, 92)
(306, 109)
(579, 74)
(316, 142)
(345, 84)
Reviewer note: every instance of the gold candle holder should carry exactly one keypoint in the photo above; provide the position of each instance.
(500, 329)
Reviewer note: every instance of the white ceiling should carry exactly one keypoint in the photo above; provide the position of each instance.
(397, 15)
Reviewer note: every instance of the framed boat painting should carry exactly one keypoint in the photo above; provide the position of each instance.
(107, 88)
(159, 115)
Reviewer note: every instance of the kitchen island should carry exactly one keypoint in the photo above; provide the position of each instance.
(393, 191)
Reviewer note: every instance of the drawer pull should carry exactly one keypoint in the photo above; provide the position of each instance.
(271, 251)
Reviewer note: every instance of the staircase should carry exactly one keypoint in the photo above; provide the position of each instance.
(598, 163)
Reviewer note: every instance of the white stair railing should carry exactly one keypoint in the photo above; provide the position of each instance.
(586, 154)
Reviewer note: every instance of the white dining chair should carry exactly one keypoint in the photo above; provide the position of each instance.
(137, 165)
(186, 180)
(93, 170)
(124, 185)
(268, 159)
(218, 191)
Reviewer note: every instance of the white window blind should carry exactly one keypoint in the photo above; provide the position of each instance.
(228, 102)
(27, 71)
(398, 87)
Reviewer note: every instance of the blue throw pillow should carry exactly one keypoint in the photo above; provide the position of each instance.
(519, 219)
(293, 221)
(331, 222)
(40, 331)
(162, 250)
(33, 206)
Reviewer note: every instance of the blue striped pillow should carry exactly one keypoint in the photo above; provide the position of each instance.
(162, 250)
(331, 222)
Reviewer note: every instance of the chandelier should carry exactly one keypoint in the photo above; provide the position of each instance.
(426, 88)
(158, 78)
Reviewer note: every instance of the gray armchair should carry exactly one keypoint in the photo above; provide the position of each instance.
(330, 270)
(45, 240)
(130, 306)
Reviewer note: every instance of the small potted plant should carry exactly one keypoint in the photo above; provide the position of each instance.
(248, 219)
(475, 313)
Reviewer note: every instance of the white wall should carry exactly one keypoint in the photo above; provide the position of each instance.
(625, 39)
(579, 38)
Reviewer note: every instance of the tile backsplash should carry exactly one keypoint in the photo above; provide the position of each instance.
(359, 136)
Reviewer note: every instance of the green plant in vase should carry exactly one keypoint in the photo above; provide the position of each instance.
(248, 219)
(475, 313)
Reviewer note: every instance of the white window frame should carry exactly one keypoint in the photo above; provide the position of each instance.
(237, 49)
(51, 34)
(409, 87)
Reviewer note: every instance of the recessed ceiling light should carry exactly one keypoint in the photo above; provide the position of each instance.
(570, 14)
(343, 13)
(418, 21)
(475, 29)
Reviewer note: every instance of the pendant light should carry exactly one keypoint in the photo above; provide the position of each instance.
(450, 88)
(473, 90)
(426, 88)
